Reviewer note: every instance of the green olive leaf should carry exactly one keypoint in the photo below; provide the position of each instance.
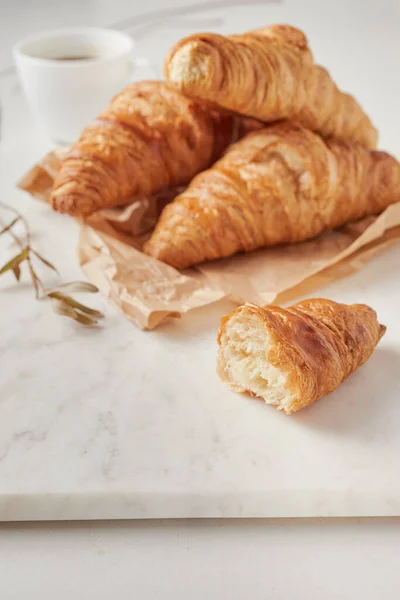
(66, 310)
(75, 287)
(17, 260)
(75, 305)
(17, 272)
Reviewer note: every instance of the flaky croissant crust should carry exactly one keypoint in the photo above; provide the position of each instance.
(282, 184)
(148, 139)
(315, 344)
(268, 74)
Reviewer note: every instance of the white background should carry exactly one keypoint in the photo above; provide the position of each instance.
(232, 560)
(357, 558)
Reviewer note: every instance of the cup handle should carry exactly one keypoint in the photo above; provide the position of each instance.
(145, 63)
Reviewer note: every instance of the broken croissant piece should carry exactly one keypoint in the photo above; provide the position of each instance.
(292, 357)
(149, 138)
(282, 184)
(268, 74)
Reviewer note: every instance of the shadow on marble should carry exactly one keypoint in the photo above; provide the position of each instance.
(348, 412)
(8, 285)
(195, 322)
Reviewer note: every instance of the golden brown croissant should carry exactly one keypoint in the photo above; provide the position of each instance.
(292, 357)
(149, 138)
(278, 185)
(268, 74)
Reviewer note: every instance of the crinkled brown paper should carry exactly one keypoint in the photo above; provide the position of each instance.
(148, 291)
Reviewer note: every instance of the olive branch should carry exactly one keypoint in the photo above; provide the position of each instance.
(60, 299)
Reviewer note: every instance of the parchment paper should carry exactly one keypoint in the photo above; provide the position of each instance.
(148, 291)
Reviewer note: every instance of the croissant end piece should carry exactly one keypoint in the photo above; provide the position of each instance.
(282, 184)
(292, 357)
(149, 138)
(268, 74)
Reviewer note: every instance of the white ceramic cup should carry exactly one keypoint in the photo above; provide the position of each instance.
(66, 92)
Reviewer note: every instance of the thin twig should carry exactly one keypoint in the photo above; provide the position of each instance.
(10, 232)
(21, 217)
(37, 283)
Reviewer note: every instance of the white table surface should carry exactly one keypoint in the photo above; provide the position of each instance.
(354, 558)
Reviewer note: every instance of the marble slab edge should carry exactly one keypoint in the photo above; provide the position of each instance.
(150, 505)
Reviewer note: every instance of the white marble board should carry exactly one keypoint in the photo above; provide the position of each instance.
(120, 423)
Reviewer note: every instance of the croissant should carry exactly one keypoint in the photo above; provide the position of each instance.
(278, 185)
(268, 74)
(292, 357)
(149, 138)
